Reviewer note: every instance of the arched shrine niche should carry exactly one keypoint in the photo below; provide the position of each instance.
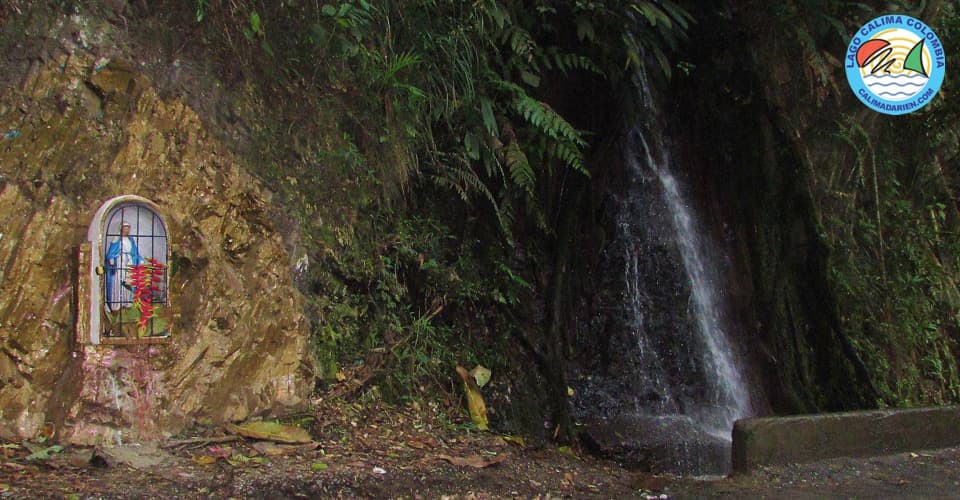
(129, 255)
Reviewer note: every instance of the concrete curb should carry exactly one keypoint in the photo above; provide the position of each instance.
(806, 438)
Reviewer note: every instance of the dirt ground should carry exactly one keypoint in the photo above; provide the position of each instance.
(363, 450)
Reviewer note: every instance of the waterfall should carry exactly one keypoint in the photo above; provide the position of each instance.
(669, 387)
(688, 378)
(725, 399)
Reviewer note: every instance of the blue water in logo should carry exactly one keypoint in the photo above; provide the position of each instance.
(895, 87)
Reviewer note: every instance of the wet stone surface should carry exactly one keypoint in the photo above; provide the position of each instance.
(664, 444)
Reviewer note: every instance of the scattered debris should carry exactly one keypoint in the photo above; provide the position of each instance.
(220, 452)
(407, 449)
(200, 441)
(8, 449)
(422, 443)
(475, 461)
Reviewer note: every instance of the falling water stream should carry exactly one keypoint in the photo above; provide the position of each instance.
(725, 398)
(676, 388)
(688, 389)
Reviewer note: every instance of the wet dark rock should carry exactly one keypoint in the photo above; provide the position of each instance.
(658, 444)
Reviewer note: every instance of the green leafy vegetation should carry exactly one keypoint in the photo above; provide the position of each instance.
(895, 268)
(887, 210)
(396, 109)
(436, 158)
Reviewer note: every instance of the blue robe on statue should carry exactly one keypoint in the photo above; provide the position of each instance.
(119, 259)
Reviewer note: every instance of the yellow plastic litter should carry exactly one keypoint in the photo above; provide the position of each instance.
(478, 409)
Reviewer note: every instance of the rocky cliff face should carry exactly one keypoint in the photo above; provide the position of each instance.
(80, 125)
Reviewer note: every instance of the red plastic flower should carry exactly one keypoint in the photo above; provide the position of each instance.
(144, 278)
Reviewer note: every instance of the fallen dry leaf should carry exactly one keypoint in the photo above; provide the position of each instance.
(141, 457)
(481, 374)
(271, 431)
(269, 448)
(204, 460)
(514, 440)
(421, 443)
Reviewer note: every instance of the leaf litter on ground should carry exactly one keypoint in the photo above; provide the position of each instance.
(475, 461)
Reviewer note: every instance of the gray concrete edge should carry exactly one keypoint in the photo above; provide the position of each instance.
(808, 438)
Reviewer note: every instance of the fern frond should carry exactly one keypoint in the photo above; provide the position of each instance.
(567, 62)
(461, 179)
(549, 122)
(521, 173)
(569, 154)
